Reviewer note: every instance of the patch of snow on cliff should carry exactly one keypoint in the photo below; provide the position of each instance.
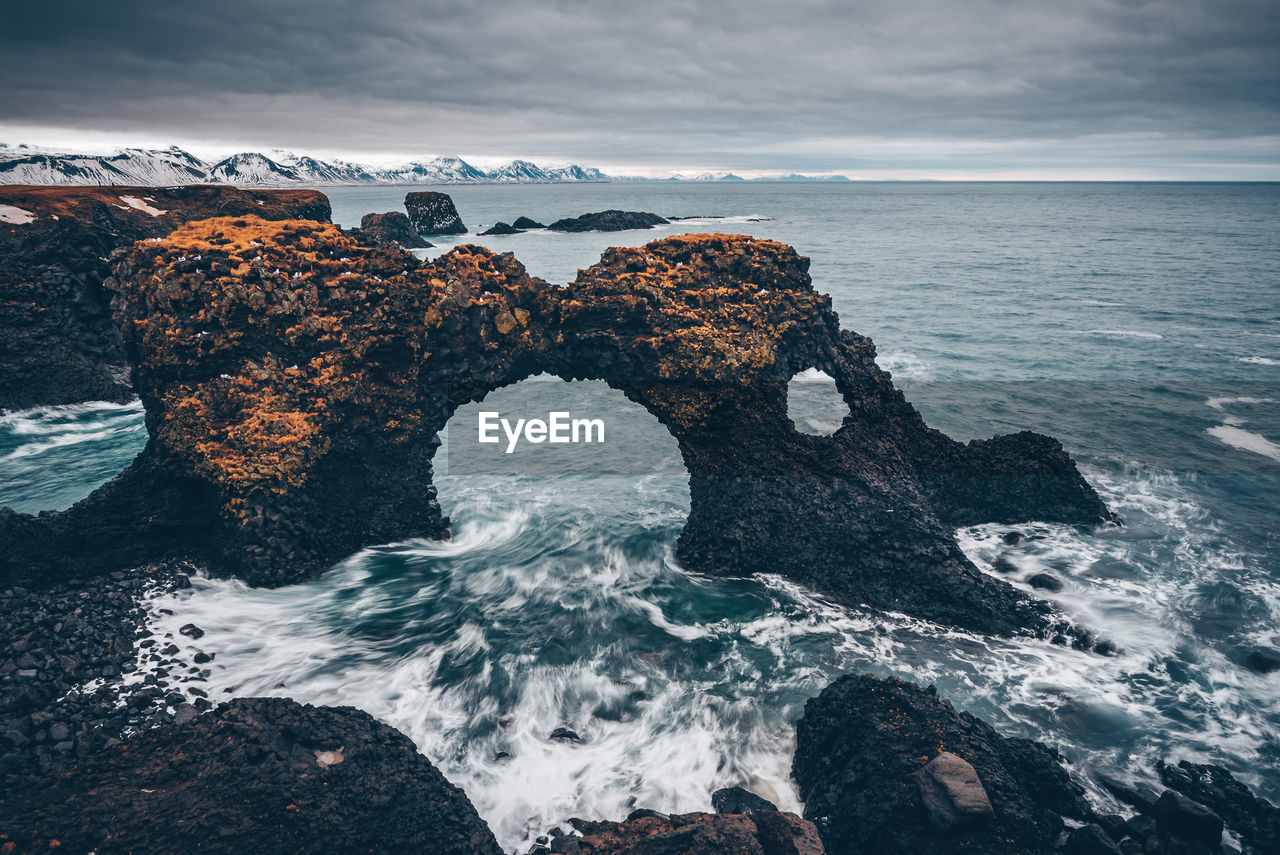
(138, 204)
(15, 215)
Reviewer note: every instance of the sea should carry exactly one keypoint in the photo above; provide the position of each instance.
(1137, 322)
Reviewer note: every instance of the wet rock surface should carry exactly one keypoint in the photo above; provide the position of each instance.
(295, 382)
(861, 744)
(767, 833)
(608, 221)
(433, 213)
(58, 343)
(1255, 820)
(390, 228)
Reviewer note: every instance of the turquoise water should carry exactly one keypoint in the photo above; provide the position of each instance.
(1138, 323)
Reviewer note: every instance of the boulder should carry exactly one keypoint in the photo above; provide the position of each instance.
(608, 221)
(952, 794)
(1256, 820)
(863, 745)
(1091, 839)
(433, 213)
(1179, 816)
(739, 800)
(527, 223)
(1045, 582)
(391, 228)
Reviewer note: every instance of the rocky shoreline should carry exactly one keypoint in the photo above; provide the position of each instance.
(295, 378)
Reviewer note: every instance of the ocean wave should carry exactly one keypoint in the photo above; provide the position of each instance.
(1245, 440)
(1258, 360)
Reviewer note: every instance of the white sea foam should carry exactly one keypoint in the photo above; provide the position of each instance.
(456, 646)
(1245, 440)
(1259, 360)
(1140, 334)
(904, 365)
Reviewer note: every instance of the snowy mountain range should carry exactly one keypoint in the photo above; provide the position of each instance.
(164, 167)
(22, 164)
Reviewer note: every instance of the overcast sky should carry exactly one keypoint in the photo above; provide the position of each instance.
(868, 88)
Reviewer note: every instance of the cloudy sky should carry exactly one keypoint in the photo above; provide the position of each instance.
(868, 88)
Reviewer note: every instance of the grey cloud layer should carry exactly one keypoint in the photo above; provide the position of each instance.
(755, 84)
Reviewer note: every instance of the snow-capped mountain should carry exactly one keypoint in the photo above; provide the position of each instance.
(24, 165)
(162, 167)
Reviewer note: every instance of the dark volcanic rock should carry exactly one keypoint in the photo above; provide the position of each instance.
(1090, 839)
(501, 229)
(1179, 816)
(1256, 820)
(526, 223)
(256, 775)
(58, 343)
(391, 228)
(738, 800)
(296, 382)
(766, 833)
(608, 221)
(1045, 582)
(860, 744)
(432, 213)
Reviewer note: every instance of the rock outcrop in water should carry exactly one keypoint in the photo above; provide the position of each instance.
(58, 344)
(861, 749)
(608, 221)
(295, 382)
(432, 213)
(392, 227)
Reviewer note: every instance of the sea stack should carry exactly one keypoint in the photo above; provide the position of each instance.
(432, 213)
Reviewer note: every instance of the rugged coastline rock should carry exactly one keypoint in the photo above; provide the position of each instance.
(295, 383)
(392, 227)
(766, 833)
(608, 221)
(59, 344)
(433, 213)
(863, 744)
(254, 775)
(526, 223)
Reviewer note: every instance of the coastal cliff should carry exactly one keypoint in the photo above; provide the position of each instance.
(60, 345)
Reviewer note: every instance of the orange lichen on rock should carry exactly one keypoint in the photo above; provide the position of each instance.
(715, 307)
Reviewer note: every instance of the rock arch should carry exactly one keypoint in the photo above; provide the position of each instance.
(295, 382)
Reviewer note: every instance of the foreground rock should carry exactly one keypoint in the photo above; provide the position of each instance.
(391, 228)
(869, 770)
(764, 833)
(1255, 820)
(432, 213)
(58, 344)
(295, 384)
(256, 775)
(608, 221)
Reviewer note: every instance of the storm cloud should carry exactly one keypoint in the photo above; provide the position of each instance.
(1182, 88)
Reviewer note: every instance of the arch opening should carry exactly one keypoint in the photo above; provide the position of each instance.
(814, 403)
(559, 442)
